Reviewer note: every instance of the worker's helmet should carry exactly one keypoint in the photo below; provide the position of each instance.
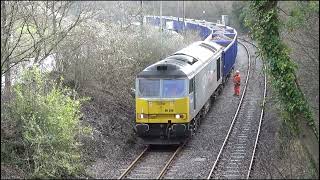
(237, 72)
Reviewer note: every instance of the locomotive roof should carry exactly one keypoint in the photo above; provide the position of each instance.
(183, 63)
(163, 69)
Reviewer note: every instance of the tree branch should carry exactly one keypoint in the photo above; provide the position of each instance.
(283, 11)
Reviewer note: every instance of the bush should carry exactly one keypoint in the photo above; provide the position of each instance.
(108, 57)
(46, 121)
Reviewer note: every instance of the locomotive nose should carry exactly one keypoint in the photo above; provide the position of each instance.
(161, 107)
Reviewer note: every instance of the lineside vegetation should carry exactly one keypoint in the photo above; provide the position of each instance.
(265, 28)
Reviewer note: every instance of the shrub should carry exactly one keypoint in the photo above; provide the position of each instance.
(46, 118)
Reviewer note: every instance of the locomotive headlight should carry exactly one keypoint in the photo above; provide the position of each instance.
(142, 116)
(179, 116)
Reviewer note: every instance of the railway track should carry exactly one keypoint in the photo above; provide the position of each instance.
(236, 154)
(151, 163)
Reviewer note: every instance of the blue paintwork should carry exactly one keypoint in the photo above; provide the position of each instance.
(178, 25)
(229, 55)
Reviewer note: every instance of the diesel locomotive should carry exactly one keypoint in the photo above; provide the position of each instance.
(173, 94)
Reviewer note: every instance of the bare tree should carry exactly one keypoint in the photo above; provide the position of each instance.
(31, 30)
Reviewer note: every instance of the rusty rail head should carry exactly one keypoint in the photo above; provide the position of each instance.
(133, 163)
(170, 160)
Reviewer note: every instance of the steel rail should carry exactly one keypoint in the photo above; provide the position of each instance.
(170, 160)
(133, 163)
(236, 114)
(163, 169)
(261, 116)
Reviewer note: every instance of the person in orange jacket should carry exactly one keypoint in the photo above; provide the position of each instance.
(236, 82)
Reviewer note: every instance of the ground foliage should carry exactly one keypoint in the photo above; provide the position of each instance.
(265, 29)
(42, 128)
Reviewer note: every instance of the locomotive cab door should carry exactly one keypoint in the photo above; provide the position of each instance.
(192, 92)
(218, 68)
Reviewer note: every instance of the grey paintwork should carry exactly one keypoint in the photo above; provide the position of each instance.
(204, 70)
(206, 83)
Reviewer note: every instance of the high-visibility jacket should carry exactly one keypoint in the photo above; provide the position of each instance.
(236, 80)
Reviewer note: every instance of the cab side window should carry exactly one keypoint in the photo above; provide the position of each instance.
(218, 69)
(191, 85)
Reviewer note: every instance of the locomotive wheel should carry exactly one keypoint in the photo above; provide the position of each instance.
(198, 123)
(213, 98)
(219, 90)
(190, 132)
(208, 107)
(169, 132)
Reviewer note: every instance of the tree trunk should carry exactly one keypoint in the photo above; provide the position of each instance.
(3, 22)
(5, 36)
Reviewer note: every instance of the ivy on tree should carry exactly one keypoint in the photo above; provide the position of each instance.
(264, 24)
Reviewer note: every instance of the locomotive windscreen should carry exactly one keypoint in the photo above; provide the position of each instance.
(149, 87)
(173, 88)
(164, 88)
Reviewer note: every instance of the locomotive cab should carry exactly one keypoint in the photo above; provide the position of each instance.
(162, 105)
(162, 100)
